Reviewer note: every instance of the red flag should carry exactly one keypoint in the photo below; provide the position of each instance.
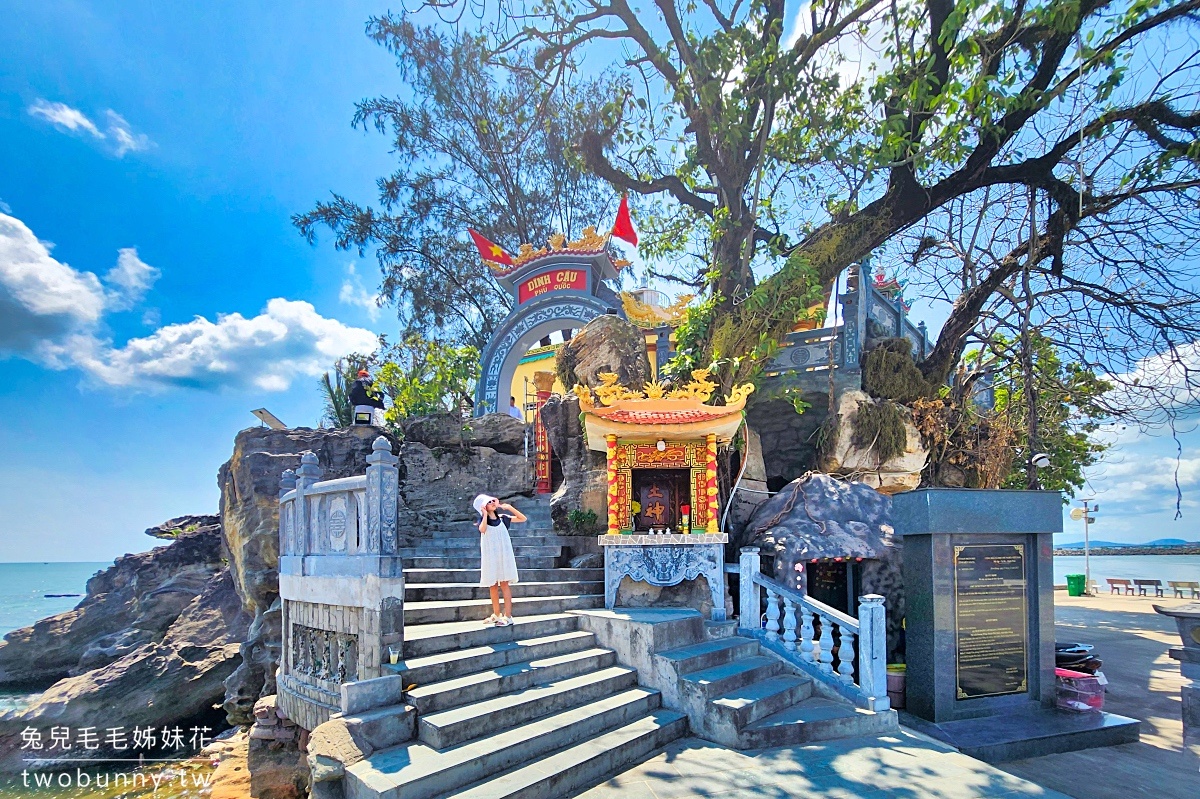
(489, 251)
(623, 227)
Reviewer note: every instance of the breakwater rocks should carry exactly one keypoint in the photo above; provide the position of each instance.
(1182, 549)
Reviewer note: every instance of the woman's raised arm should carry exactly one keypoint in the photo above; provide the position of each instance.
(517, 515)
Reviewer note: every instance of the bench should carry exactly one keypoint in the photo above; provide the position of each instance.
(1142, 585)
(1179, 586)
(1115, 585)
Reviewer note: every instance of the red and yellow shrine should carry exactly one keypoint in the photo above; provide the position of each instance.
(661, 446)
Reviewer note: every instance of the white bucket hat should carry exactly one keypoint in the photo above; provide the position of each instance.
(480, 501)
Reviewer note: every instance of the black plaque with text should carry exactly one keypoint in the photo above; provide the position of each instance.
(990, 633)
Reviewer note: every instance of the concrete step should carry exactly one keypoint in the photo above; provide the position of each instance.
(437, 612)
(490, 683)
(417, 770)
(435, 592)
(815, 719)
(718, 680)
(586, 764)
(458, 662)
(707, 654)
(472, 562)
(470, 576)
(429, 639)
(521, 551)
(461, 724)
(746, 705)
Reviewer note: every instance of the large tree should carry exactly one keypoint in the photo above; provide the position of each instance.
(475, 148)
(795, 149)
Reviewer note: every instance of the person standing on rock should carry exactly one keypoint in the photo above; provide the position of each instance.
(366, 402)
(497, 564)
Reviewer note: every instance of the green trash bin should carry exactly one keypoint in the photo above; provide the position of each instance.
(1075, 584)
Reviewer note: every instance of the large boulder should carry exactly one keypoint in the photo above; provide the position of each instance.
(437, 485)
(176, 681)
(497, 431)
(846, 455)
(585, 481)
(131, 603)
(605, 344)
(249, 483)
(821, 516)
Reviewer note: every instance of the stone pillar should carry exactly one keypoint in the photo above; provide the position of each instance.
(611, 441)
(710, 475)
(306, 476)
(749, 612)
(383, 492)
(544, 382)
(872, 648)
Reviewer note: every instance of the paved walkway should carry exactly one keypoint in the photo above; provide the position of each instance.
(905, 765)
(1144, 683)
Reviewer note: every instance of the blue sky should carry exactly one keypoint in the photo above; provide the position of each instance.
(151, 156)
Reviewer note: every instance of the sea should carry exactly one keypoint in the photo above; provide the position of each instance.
(23, 601)
(1130, 567)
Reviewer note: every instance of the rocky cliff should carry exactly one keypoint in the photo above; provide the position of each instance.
(150, 645)
(438, 479)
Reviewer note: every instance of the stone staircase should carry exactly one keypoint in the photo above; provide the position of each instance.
(542, 709)
(738, 696)
(536, 709)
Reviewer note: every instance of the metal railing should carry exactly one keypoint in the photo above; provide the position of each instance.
(798, 639)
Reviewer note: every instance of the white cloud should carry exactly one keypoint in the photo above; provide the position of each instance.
(129, 280)
(354, 293)
(5, 208)
(54, 314)
(126, 140)
(1168, 380)
(288, 340)
(64, 117)
(41, 298)
(118, 133)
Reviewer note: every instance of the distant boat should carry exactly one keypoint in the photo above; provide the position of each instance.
(55, 596)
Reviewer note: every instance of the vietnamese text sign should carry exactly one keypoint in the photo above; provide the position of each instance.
(990, 633)
(551, 280)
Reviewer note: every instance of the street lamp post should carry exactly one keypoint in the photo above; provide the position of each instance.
(1085, 513)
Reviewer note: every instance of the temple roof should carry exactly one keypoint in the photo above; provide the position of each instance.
(659, 411)
(590, 243)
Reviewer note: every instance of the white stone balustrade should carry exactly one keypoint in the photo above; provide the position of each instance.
(816, 652)
(341, 581)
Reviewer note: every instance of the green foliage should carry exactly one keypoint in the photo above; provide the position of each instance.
(583, 522)
(335, 392)
(423, 377)
(474, 147)
(889, 372)
(879, 427)
(1068, 409)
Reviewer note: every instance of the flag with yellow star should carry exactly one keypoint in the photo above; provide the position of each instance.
(490, 251)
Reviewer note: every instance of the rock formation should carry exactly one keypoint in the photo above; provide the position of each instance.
(175, 681)
(129, 604)
(605, 344)
(820, 516)
(438, 480)
(497, 431)
(845, 456)
(585, 483)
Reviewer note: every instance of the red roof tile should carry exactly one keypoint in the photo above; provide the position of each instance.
(667, 417)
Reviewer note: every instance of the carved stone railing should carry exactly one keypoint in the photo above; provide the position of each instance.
(792, 624)
(808, 355)
(341, 581)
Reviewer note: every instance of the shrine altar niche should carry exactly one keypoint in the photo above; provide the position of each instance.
(660, 445)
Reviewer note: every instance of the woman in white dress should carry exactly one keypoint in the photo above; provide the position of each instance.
(497, 564)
